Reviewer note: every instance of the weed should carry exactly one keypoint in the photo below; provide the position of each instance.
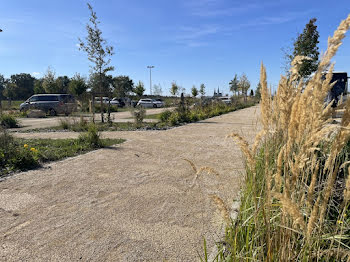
(8, 121)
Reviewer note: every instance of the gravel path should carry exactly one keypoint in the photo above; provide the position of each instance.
(134, 202)
(120, 117)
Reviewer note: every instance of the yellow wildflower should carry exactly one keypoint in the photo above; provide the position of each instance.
(25, 145)
(340, 222)
(33, 149)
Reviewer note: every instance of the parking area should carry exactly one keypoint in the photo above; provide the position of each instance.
(118, 117)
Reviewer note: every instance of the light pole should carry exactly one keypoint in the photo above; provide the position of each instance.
(150, 78)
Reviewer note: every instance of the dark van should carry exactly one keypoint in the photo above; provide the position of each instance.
(52, 104)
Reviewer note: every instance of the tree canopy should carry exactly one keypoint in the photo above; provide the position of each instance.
(123, 86)
(139, 89)
(77, 86)
(234, 88)
(306, 45)
(202, 90)
(174, 90)
(194, 91)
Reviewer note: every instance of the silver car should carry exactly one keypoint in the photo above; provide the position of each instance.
(52, 104)
(148, 103)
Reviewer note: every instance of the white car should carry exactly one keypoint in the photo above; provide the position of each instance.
(225, 100)
(105, 100)
(150, 103)
(158, 102)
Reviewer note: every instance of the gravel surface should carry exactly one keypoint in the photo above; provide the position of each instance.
(119, 117)
(137, 201)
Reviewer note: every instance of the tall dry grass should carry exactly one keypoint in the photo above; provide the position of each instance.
(295, 203)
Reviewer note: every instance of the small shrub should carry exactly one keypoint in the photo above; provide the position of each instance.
(138, 114)
(15, 156)
(164, 116)
(8, 121)
(174, 119)
(91, 137)
(64, 123)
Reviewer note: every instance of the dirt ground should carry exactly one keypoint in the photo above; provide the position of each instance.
(33, 123)
(137, 201)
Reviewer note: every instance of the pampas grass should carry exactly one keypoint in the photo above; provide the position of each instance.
(290, 208)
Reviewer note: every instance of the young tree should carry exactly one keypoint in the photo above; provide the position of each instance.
(244, 85)
(101, 84)
(258, 91)
(202, 90)
(25, 84)
(10, 91)
(49, 82)
(157, 90)
(139, 89)
(234, 85)
(38, 86)
(123, 86)
(174, 90)
(97, 50)
(77, 86)
(62, 83)
(306, 45)
(251, 92)
(2, 87)
(194, 91)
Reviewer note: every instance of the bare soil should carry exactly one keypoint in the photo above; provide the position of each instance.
(137, 201)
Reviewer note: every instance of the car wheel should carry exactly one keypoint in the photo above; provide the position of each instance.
(52, 112)
(154, 106)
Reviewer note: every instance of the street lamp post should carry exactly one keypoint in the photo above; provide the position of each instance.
(150, 78)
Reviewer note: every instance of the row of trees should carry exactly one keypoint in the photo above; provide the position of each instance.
(176, 89)
(239, 85)
(21, 86)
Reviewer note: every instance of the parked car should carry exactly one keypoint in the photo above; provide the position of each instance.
(105, 100)
(118, 100)
(150, 103)
(225, 100)
(159, 102)
(52, 104)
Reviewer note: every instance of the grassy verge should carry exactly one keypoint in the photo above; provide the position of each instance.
(14, 105)
(24, 154)
(184, 114)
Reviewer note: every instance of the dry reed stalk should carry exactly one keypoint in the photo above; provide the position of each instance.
(266, 107)
(257, 141)
(327, 193)
(243, 144)
(224, 211)
(312, 219)
(292, 210)
(209, 170)
(347, 188)
(278, 175)
(194, 168)
(311, 190)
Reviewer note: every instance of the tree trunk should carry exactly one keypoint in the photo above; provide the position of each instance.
(93, 108)
(102, 115)
(109, 111)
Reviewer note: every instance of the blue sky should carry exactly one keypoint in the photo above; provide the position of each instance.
(188, 41)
